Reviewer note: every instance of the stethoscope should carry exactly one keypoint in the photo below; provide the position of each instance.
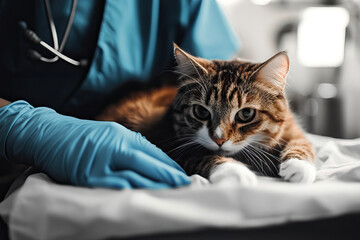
(56, 50)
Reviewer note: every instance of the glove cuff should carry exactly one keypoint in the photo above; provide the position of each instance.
(9, 116)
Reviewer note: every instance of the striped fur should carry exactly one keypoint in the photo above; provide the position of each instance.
(223, 88)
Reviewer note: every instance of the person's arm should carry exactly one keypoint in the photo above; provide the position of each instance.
(83, 152)
(3, 102)
(207, 32)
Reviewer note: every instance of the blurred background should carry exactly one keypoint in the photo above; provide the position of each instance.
(322, 38)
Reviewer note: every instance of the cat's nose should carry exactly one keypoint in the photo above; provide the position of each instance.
(219, 141)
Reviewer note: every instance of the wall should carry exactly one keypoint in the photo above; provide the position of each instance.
(258, 29)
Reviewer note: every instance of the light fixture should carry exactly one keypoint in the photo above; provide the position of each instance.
(327, 90)
(321, 36)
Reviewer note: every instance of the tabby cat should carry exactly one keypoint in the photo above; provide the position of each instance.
(225, 120)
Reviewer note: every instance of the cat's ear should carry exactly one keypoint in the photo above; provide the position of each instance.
(274, 71)
(189, 64)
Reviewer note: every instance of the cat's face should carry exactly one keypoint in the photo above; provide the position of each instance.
(226, 105)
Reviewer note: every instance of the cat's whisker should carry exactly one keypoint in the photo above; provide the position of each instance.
(194, 147)
(267, 155)
(269, 160)
(178, 101)
(201, 77)
(182, 74)
(259, 157)
(266, 152)
(182, 146)
(202, 84)
(178, 138)
(280, 141)
(171, 142)
(253, 161)
(185, 140)
(205, 140)
(266, 146)
(200, 91)
(204, 87)
(276, 140)
(179, 152)
(170, 145)
(264, 161)
(245, 152)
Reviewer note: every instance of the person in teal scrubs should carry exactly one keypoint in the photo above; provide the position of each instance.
(46, 108)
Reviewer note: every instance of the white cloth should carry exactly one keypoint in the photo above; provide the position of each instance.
(42, 209)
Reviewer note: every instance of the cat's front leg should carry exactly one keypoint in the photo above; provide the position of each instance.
(298, 162)
(230, 170)
(297, 170)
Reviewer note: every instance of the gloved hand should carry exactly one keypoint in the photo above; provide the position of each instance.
(84, 152)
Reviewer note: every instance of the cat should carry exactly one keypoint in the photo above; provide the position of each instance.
(225, 120)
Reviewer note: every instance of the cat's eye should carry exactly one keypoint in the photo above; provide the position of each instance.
(245, 115)
(200, 112)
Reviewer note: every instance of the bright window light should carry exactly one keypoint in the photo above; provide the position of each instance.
(321, 36)
(228, 2)
(261, 2)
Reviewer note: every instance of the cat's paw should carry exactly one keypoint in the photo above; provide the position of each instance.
(232, 172)
(296, 170)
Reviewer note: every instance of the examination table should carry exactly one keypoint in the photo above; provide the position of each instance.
(328, 209)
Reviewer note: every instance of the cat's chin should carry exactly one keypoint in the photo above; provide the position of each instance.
(225, 153)
(221, 151)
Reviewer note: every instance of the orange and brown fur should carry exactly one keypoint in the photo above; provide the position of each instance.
(221, 112)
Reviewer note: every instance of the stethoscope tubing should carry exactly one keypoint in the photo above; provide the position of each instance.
(59, 54)
(56, 50)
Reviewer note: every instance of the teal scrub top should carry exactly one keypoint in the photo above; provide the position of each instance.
(123, 40)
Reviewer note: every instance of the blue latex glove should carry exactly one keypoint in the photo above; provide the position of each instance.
(84, 152)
